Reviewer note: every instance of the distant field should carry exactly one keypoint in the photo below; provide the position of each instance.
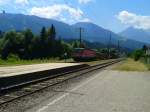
(131, 65)
(13, 62)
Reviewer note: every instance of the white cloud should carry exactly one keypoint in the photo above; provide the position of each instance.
(131, 19)
(22, 2)
(62, 12)
(84, 1)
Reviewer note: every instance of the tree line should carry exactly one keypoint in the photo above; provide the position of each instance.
(27, 45)
(140, 53)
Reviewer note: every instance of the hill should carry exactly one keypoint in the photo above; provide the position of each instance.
(20, 22)
(136, 34)
(95, 33)
(91, 33)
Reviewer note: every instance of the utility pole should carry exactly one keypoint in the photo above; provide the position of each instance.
(80, 35)
(118, 46)
(109, 45)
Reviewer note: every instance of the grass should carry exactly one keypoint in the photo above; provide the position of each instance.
(131, 65)
(17, 62)
(148, 66)
(14, 62)
(143, 60)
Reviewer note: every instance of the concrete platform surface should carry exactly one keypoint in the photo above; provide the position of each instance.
(107, 91)
(24, 69)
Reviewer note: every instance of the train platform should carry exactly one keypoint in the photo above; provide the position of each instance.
(25, 69)
(15, 75)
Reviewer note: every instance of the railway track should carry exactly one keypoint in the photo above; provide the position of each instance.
(15, 92)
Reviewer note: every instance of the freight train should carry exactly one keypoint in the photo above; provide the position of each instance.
(84, 54)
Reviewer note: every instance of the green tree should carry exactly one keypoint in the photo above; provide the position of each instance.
(104, 50)
(1, 34)
(28, 36)
(67, 48)
(76, 44)
(138, 54)
(114, 53)
(5, 49)
(43, 34)
(26, 45)
(35, 48)
(144, 48)
(11, 43)
(49, 33)
(53, 32)
(26, 50)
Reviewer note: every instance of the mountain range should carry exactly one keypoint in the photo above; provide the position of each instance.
(136, 34)
(90, 32)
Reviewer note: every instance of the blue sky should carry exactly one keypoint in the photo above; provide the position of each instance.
(115, 15)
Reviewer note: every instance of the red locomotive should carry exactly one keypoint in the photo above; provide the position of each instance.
(83, 54)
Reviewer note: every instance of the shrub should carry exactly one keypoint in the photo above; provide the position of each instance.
(138, 54)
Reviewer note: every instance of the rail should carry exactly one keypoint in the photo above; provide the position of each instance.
(15, 92)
